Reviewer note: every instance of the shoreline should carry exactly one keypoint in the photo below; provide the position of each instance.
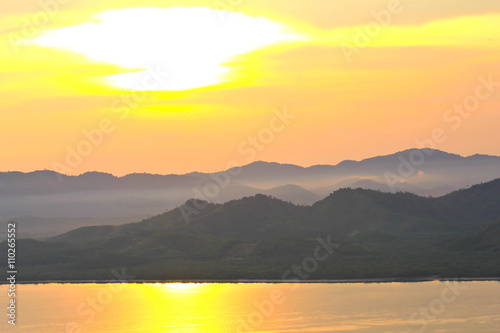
(266, 281)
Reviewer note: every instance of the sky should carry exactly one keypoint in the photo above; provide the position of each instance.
(180, 86)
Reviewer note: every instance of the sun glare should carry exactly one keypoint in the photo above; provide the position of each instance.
(181, 286)
(188, 45)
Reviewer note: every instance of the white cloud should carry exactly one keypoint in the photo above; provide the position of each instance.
(190, 43)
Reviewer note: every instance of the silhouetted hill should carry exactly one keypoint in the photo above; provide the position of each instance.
(477, 203)
(484, 240)
(377, 234)
(99, 197)
(342, 213)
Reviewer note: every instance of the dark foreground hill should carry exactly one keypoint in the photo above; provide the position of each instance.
(371, 235)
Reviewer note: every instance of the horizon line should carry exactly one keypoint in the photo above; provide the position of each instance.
(244, 165)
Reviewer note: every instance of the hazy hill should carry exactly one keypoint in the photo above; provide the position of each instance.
(38, 227)
(342, 213)
(370, 184)
(435, 162)
(446, 168)
(294, 194)
(102, 196)
(378, 235)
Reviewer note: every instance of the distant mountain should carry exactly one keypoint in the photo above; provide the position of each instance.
(50, 182)
(424, 170)
(100, 195)
(370, 184)
(294, 194)
(39, 227)
(377, 235)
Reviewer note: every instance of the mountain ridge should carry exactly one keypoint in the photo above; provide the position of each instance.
(51, 195)
(441, 153)
(381, 235)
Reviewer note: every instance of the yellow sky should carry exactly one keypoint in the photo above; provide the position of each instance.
(357, 80)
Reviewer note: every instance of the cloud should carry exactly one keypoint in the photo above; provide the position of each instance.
(191, 44)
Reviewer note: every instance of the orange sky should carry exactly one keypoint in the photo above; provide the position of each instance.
(348, 96)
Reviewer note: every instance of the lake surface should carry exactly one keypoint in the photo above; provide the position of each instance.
(219, 307)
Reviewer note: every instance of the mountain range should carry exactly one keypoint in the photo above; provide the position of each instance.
(99, 198)
(378, 235)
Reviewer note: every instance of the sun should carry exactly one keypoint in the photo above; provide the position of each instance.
(190, 45)
(179, 287)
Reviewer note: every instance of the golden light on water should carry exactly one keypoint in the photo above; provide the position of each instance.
(223, 308)
(181, 286)
(179, 307)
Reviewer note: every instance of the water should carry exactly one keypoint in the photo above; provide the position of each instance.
(157, 308)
